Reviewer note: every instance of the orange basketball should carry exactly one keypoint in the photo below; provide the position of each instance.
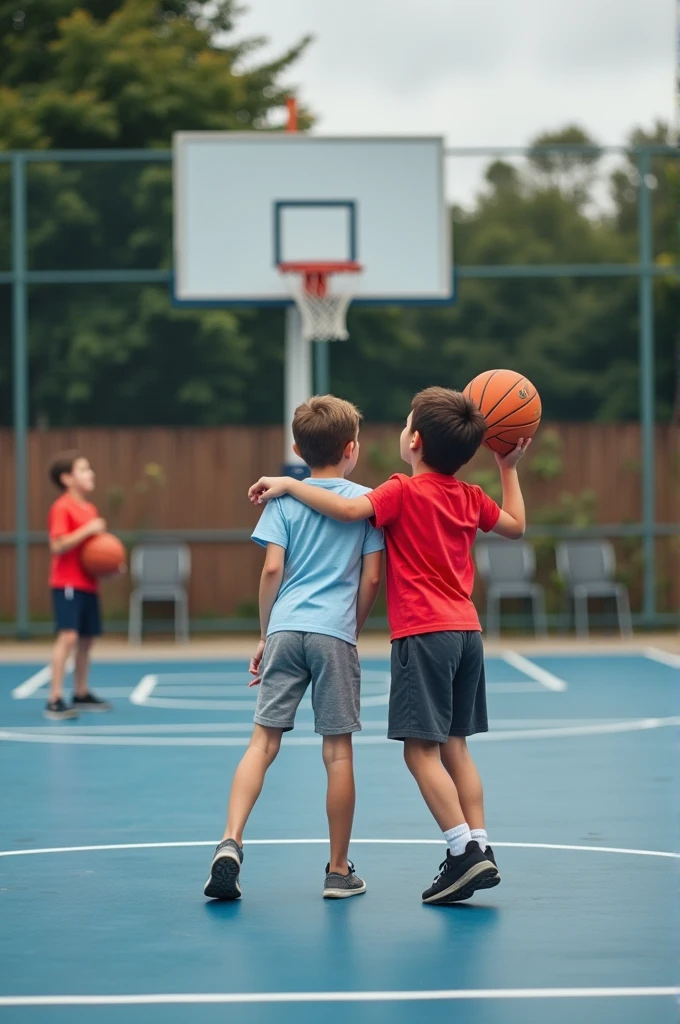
(102, 555)
(511, 406)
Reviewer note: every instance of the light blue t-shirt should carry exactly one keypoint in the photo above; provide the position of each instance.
(322, 568)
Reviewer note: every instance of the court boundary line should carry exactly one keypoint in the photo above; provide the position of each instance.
(316, 842)
(10, 734)
(394, 996)
(662, 657)
(534, 671)
(37, 680)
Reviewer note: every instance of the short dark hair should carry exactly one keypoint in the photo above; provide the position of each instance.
(63, 463)
(322, 427)
(450, 425)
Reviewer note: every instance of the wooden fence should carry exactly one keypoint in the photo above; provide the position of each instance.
(196, 478)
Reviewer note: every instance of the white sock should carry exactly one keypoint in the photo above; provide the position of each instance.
(479, 835)
(457, 839)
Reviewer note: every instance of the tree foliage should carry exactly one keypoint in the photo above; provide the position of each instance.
(127, 73)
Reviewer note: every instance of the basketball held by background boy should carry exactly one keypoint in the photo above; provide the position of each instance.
(438, 691)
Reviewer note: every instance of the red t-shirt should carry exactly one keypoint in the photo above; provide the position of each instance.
(66, 515)
(430, 522)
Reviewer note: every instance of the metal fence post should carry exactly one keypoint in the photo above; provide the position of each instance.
(20, 389)
(322, 372)
(647, 388)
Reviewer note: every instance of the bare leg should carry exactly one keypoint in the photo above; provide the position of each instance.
(82, 666)
(458, 762)
(423, 760)
(63, 646)
(249, 779)
(340, 799)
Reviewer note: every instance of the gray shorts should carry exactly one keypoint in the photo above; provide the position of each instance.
(438, 686)
(290, 663)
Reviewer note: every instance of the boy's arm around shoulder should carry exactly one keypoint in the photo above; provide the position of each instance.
(511, 522)
(345, 510)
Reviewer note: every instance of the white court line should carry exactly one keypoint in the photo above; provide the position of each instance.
(319, 842)
(144, 687)
(665, 657)
(541, 676)
(174, 998)
(38, 679)
(75, 736)
(208, 727)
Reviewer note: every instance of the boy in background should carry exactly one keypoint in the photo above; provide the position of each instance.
(318, 585)
(72, 520)
(438, 695)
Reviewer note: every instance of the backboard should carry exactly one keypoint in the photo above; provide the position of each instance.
(246, 202)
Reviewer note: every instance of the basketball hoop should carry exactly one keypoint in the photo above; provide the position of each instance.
(323, 292)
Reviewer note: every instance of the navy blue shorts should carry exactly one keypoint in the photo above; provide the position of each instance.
(76, 609)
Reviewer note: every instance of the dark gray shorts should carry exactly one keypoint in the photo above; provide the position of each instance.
(290, 663)
(438, 687)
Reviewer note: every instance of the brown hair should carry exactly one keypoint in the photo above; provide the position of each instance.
(450, 425)
(63, 463)
(322, 427)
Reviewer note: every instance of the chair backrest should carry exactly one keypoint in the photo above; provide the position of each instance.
(585, 561)
(505, 561)
(160, 565)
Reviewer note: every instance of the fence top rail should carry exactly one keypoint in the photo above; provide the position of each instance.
(165, 155)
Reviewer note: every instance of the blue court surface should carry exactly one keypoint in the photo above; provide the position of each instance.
(107, 826)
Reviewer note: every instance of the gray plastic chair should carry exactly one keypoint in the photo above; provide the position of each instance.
(587, 568)
(160, 572)
(508, 569)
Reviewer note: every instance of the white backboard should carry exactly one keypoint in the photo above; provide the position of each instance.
(244, 202)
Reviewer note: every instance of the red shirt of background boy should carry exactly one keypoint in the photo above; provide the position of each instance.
(66, 515)
(430, 522)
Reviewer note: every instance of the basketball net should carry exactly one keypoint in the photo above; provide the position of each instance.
(322, 293)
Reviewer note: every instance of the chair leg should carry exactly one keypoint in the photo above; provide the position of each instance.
(540, 618)
(581, 614)
(135, 619)
(493, 616)
(182, 619)
(623, 610)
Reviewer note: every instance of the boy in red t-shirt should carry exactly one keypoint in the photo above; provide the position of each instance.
(72, 519)
(438, 692)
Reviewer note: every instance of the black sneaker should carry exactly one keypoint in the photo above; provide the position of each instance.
(224, 871)
(339, 887)
(91, 703)
(460, 876)
(57, 710)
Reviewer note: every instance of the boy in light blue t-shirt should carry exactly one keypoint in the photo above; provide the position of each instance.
(318, 585)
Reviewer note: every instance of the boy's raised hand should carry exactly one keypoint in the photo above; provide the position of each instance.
(510, 460)
(268, 487)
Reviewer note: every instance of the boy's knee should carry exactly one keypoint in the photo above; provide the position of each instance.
(416, 752)
(337, 748)
(456, 746)
(67, 638)
(267, 740)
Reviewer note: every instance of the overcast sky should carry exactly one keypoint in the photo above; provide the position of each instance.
(479, 72)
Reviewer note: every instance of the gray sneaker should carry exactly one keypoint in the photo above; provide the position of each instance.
(224, 871)
(339, 887)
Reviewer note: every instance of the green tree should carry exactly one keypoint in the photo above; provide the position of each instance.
(575, 338)
(125, 74)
